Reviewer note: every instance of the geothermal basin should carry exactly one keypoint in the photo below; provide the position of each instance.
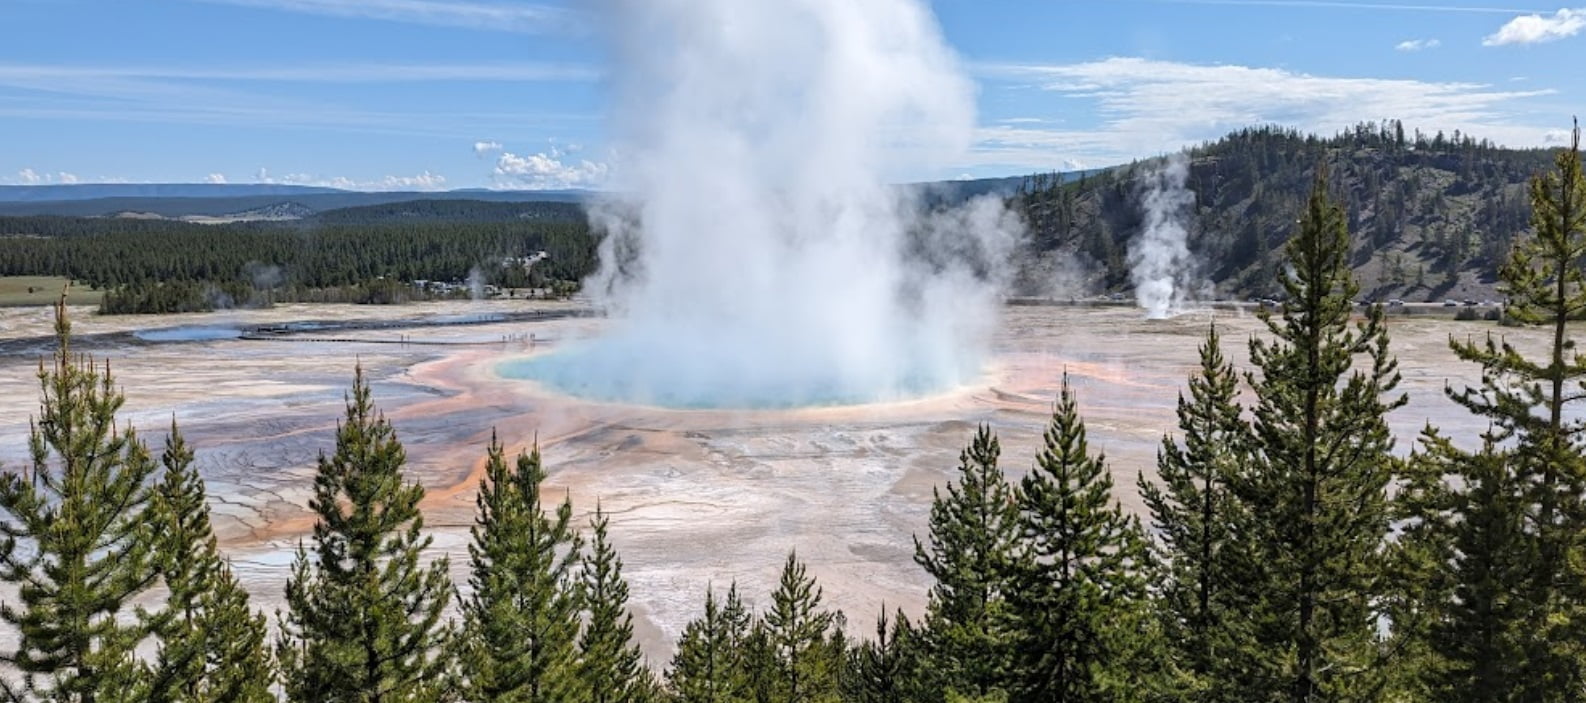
(697, 495)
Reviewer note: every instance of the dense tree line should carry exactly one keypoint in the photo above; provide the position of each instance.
(167, 266)
(451, 211)
(1289, 554)
(1422, 208)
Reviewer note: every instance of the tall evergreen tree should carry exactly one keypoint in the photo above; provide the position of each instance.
(75, 537)
(1079, 598)
(1316, 487)
(707, 667)
(973, 531)
(364, 615)
(887, 668)
(211, 645)
(1463, 557)
(799, 631)
(521, 620)
(610, 664)
(1527, 400)
(1191, 513)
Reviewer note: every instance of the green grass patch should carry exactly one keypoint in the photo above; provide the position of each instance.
(42, 290)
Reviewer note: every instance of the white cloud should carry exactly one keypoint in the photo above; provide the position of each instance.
(503, 17)
(423, 181)
(1417, 44)
(30, 177)
(548, 170)
(486, 147)
(1535, 29)
(1146, 107)
(216, 178)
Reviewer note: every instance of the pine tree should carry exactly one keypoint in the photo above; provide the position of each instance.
(610, 663)
(1316, 487)
(707, 667)
(1191, 513)
(799, 628)
(887, 668)
(973, 530)
(521, 619)
(1526, 400)
(1079, 600)
(1464, 555)
(761, 665)
(364, 616)
(211, 645)
(74, 537)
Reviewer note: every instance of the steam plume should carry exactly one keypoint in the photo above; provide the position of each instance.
(763, 261)
(476, 284)
(1161, 266)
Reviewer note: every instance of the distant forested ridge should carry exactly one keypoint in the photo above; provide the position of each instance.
(1430, 215)
(354, 255)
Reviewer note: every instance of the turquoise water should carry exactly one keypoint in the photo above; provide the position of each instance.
(188, 334)
(624, 374)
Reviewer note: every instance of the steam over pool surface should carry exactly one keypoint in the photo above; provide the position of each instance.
(625, 369)
(757, 256)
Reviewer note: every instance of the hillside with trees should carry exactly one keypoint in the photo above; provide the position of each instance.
(1430, 216)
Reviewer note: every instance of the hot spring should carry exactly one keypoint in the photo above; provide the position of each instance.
(626, 369)
(188, 333)
(757, 254)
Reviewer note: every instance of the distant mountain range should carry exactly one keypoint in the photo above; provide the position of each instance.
(231, 201)
(211, 202)
(95, 191)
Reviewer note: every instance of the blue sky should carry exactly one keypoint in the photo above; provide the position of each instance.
(439, 94)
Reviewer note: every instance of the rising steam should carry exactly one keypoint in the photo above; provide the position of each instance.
(1161, 267)
(762, 260)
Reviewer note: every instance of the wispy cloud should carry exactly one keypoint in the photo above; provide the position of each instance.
(1148, 107)
(490, 16)
(311, 73)
(225, 96)
(1417, 45)
(1538, 28)
(1345, 5)
(484, 148)
(216, 178)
